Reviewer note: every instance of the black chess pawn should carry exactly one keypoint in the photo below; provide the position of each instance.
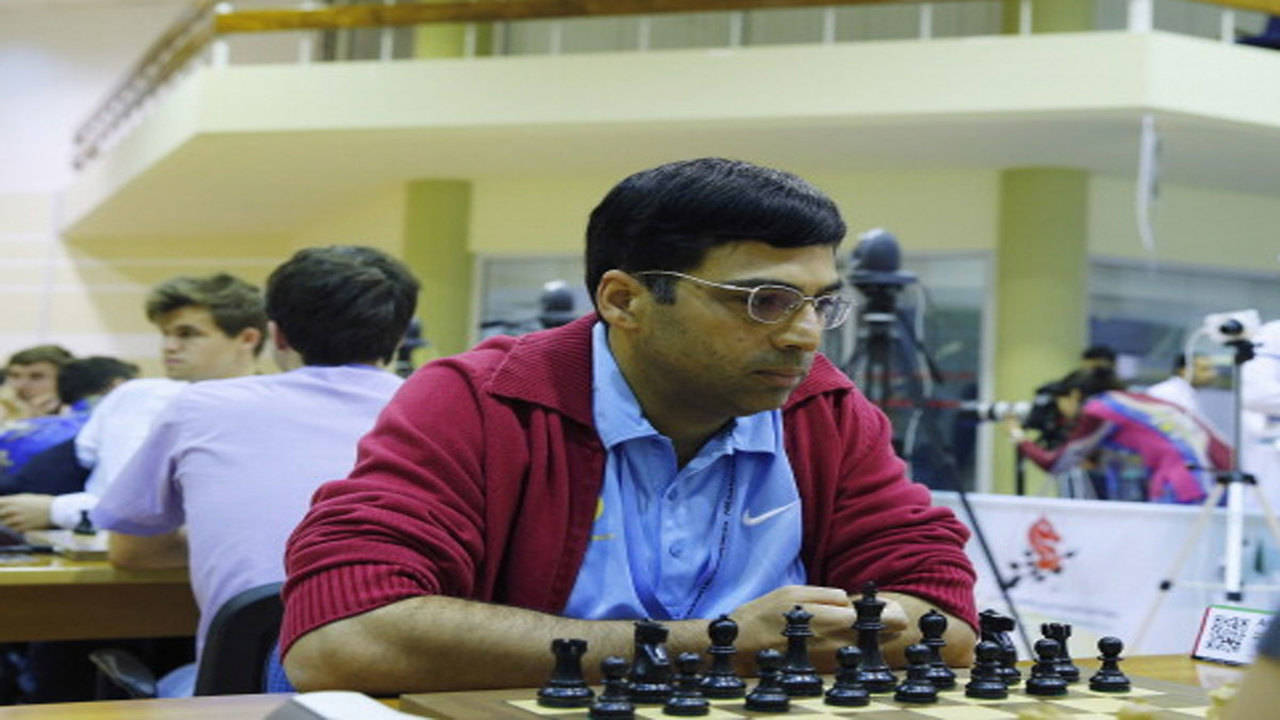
(721, 681)
(650, 666)
(874, 673)
(768, 695)
(1060, 632)
(933, 625)
(614, 701)
(1109, 677)
(687, 699)
(917, 688)
(847, 691)
(798, 676)
(566, 688)
(984, 680)
(85, 526)
(1044, 680)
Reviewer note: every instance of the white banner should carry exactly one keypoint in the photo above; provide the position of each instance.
(1098, 565)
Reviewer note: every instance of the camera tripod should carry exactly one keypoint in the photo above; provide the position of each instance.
(871, 366)
(1233, 483)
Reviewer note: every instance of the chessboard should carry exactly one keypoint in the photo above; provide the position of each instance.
(1164, 700)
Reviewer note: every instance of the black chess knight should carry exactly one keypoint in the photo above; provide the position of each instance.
(650, 666)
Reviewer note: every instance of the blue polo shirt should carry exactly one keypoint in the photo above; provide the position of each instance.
(673, 542)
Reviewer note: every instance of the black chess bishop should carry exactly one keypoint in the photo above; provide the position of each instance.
(798, 676)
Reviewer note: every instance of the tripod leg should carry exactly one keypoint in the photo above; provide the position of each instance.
(1267, 513)
(1206, 510)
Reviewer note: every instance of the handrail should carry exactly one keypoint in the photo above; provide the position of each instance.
(202, 22)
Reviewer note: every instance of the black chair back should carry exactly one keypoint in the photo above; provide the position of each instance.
(239, 642)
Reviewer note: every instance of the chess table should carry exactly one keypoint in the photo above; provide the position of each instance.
(46, 597)
(1174, 694)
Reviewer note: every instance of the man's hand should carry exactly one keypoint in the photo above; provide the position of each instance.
(760, 622)
(1014, 428)
(26, 511)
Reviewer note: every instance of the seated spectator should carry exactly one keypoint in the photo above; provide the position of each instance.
(30, 386)
(213, 327)
(1097, 357)
(80, 384)
(1144, 448)
(229, 467)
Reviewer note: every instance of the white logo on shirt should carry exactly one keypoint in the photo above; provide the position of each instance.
(750, 521)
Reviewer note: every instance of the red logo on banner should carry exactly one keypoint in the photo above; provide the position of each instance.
(1042, 558)
(1044, 543)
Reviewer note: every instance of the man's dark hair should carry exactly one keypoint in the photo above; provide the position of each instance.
(668, 217)
(94, 375)
(233, 303)
(342, 304)
(1179, 363)
(55, 354)
(1088, 382)
(1099, 352)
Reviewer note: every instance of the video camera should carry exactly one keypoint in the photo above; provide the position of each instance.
(1041, 414)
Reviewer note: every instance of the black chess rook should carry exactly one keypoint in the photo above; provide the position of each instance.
(1061, 632)
(798, 676)
(566, 688)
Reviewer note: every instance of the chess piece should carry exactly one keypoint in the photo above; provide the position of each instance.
(614, 701)
(1044, 680)
(874, 673)
(85, 526)
(1109, 677)
(847, 691)
(566, 688)
(721, 681)
(650, 666)
(985, 681)
(917, 688)
(933, 625)
(686, 699)
(996, 627)
(798, 676)
(1067, 669)
(768, 695)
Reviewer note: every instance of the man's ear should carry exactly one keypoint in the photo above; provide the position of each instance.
(278, 339)
(250, 337)
(619, 299)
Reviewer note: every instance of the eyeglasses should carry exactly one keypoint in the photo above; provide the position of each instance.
(775, 303)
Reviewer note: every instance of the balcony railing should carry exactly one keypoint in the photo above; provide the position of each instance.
(201, 30)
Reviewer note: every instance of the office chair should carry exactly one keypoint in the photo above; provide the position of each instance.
(234, 660)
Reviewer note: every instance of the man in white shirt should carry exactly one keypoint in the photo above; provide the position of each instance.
(212, 327)
(1180, 388)
(1260, 413)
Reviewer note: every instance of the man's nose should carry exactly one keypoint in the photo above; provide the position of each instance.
(802, 331)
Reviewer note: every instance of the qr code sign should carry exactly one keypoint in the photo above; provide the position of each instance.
(1229, 634)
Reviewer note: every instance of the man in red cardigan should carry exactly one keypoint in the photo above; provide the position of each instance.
(682, 453)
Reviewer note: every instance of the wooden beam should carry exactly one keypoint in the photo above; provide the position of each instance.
(360, 16)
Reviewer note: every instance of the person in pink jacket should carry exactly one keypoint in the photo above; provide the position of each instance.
(681, 453)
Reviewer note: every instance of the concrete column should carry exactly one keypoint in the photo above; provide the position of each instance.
(1050, 15)
(436, 228)
(1041, 270)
